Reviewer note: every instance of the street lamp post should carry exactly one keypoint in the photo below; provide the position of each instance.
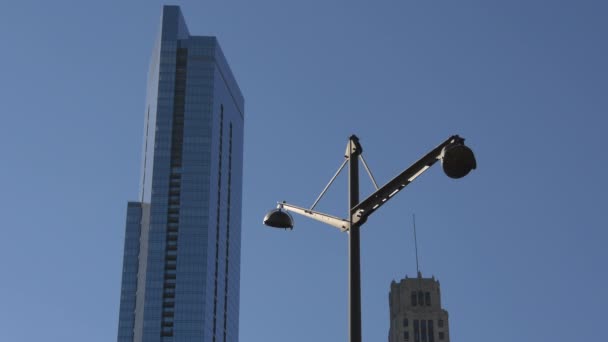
(354, 252)
(457, 160)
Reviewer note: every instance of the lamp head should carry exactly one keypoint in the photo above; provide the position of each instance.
(458, 160)
(278, 218)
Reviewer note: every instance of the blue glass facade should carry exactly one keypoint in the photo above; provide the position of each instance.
(182, 247)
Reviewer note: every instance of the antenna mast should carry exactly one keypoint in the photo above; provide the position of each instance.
(416, 245)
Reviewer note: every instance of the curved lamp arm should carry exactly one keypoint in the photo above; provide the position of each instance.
(337, 222)
(361, 211)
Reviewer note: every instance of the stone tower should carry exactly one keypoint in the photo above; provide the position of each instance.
(415, 311)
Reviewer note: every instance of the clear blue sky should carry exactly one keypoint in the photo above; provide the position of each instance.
(519, 246)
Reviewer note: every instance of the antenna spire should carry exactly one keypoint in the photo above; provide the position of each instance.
(416, 246)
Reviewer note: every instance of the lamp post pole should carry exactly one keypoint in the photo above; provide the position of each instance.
(354, 251)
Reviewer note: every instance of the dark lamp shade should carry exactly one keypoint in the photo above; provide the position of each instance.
(458, 160)
(278, 218)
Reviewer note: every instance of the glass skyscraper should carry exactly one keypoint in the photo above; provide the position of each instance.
(181, 268)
